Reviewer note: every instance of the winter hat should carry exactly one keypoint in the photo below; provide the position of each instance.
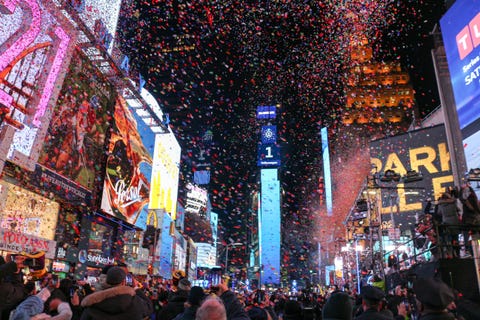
(338, 306)
(196, 296)
(115, 276)
(433, 293)
(184, 284)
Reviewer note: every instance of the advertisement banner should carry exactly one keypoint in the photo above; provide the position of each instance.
(20, 242)
(35, 48)
(424, 151)
(26, 212)
(126, 186)
(75, 140)
(50, 181)
(270, 237)
(461, 36)
(165, 173)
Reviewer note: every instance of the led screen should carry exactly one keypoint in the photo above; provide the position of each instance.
(461, 36)
(166, 162)
(270, 226)
(128, 169)
(75, 140)
(424, 151)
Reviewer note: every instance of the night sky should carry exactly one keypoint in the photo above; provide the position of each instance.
(211, 63)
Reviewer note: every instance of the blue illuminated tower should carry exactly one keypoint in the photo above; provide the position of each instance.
(269, 215)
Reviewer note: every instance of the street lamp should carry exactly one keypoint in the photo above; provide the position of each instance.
(235, 244)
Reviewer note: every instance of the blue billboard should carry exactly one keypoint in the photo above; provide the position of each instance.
(266, 112)
(461, 36)
(269, 225)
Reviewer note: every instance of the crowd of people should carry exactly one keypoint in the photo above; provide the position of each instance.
(119, 295)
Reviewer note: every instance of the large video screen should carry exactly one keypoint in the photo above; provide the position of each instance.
(461, 36)
(424, 151)
(460, 29)
(75, 139)
(126, 186)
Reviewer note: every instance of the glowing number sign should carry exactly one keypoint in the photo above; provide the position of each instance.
(31, 62)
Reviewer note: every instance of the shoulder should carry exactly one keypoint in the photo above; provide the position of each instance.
(101, 295)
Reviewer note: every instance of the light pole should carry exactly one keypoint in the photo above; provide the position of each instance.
(235, 244)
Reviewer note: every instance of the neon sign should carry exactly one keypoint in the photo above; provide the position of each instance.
(32, 59)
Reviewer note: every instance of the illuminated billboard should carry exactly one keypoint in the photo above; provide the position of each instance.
(269, 226)
(424, 151)
(32, 68)
(165, 172)
(461, 36)
(75, 140)
(27, 213)
(126, 186)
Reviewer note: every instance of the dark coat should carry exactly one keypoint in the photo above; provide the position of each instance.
(372, 315)
(11, 294)
(175, 306)
(119, 303)
(233, 306)
(188, 314)
(437, 316)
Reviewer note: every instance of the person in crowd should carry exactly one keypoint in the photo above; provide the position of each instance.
(292, 310)
(470, 216)
(233, 306)
(195, 298)
(118, 302)
(447, 210)
(12, 289)
(434, 297)
(372, 304)
(176, 301)
(426, 227)
(211, 309)
(339, 306)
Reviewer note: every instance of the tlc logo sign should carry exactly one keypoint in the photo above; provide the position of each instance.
(469, 37)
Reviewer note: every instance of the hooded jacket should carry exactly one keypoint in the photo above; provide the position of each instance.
(119, 303)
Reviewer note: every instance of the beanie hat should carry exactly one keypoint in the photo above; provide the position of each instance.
(196, 296)
(184, 284)
(338, 306)
(115, 276)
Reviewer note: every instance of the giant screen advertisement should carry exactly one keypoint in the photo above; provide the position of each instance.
(424, 151)
(461, 36)
(74, 144)
(126, 186)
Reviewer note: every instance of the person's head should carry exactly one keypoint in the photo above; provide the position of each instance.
(292, 310)
(196, 296)
(400, 291)
(372, 297)
(116, 276)
(338, 306)
(433, 294)
(211, 309)
(184, 284)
